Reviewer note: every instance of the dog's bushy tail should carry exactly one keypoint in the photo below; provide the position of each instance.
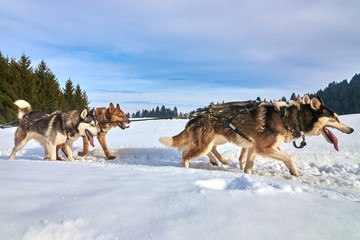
(176, 141)
(24, 107)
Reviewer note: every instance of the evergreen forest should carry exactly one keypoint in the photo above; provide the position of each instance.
(342, 97)
(162, 112)
(38, 86)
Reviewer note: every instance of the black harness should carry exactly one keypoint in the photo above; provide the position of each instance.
(282, 116)
(227, 122)
(35, 122)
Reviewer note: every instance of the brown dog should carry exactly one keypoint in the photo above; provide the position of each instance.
(261, 130)
(107, 118)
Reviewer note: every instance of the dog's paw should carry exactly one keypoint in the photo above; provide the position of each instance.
(296, 174)
(82, 153)
(224, 161)
(214, 163)
(110, 157)
(248, 171)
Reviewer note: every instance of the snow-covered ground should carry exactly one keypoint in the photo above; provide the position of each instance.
(145, 193)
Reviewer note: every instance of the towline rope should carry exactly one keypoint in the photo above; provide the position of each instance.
(137, 120)
(8, 125)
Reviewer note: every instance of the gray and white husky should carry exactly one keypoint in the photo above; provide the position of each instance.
(53, 128)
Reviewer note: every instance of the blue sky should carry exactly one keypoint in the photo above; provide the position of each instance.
(186, 53)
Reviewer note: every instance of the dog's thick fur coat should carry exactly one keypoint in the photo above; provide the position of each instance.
(52, 128)
(266, 125)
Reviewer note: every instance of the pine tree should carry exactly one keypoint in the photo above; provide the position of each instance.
(163, 111)
(80, 98)
(69, 95)
(47, 89)
(22, 79)
(293, 96)
(7, 96)
(157, 112)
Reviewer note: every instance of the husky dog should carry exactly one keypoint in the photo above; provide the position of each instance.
(53, 128)
(261, 130)
(218, 109)
(247, 155)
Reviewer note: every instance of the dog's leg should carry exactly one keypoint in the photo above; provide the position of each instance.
(47, 155)
(250, 161)
(85, 147)
(287, 159)
(51, 149)
(196, 151)
(21, 140)
(62, 147)
(213, 160)
(242, 158)
(68, 146)
(219, 156)
(102, 142)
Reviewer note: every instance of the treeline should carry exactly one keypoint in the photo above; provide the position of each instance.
(158, 112)
(39, 87)
(342, 97)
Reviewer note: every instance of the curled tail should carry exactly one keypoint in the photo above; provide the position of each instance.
(24, 107)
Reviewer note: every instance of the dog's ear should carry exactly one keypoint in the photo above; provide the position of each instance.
(299, 99)
(84, 113)
(118, 106)
(320, 99)
(306, 99)
(93, 112)
(315, 103)
(111, 108)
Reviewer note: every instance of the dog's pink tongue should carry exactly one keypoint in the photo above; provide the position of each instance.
(92, 142)
(334, 139)
(90, 137)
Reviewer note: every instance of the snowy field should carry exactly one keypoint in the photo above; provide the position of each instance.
(145, 193)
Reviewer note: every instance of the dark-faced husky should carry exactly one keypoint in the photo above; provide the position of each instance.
(53, 128)
(260, 130)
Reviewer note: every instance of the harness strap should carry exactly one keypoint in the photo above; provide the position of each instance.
(303, 143)
(227, 123)
(33, 122)
(7, 125)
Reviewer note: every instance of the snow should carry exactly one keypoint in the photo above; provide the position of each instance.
(145, 193)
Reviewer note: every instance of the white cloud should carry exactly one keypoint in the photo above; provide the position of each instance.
(139, 45)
